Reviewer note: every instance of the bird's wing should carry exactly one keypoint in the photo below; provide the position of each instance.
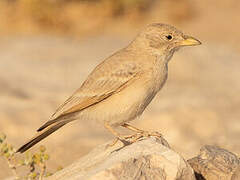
(106, 79)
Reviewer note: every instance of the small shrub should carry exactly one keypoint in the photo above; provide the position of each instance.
(35, 162)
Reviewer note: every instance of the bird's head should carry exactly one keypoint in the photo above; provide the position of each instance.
(163, 38)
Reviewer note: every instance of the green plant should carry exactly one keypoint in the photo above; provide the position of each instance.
(35, 162)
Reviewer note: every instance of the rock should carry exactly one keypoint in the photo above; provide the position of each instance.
(214, 163)
(148, 159)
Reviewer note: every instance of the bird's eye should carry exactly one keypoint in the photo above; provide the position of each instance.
(169, 37)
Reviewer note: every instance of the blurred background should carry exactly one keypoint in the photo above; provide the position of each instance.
(48, 47)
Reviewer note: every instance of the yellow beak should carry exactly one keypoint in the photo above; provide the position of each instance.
(190, 41)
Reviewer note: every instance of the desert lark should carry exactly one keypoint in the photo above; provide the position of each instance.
(120, 88)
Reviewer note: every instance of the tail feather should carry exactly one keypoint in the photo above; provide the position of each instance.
(41, 135)
(47, 124)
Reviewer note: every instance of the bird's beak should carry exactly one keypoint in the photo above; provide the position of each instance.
(189, 41)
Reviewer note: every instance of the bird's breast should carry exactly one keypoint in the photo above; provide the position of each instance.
(159, 75)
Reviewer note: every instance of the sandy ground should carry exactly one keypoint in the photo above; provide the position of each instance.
(199, 104)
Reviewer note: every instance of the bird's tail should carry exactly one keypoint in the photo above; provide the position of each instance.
(41, 135)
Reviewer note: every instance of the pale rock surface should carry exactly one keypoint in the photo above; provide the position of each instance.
(214, 163)
(148, 159)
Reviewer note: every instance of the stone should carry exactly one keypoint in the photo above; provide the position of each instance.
(214, 163)
(149, 159)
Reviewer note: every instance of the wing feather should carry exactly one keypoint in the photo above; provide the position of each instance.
(105, 80)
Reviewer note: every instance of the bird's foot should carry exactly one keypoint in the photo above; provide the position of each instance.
(124, 139)
(129, 139)
(135, 137)
(151, 134)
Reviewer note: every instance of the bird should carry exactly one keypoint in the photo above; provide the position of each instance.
(119, 89)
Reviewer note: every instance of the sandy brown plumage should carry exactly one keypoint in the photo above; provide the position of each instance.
(120, 88)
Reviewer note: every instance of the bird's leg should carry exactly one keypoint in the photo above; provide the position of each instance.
(131, 138)
(140, 133)
(116, 134)
(130, 127)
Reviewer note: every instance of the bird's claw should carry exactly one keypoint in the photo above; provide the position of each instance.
(135, 137)
(126, 140)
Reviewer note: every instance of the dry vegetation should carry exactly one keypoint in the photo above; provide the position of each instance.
(34, 163)
(79, 16)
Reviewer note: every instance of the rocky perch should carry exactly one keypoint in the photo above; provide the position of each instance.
(151, 159)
